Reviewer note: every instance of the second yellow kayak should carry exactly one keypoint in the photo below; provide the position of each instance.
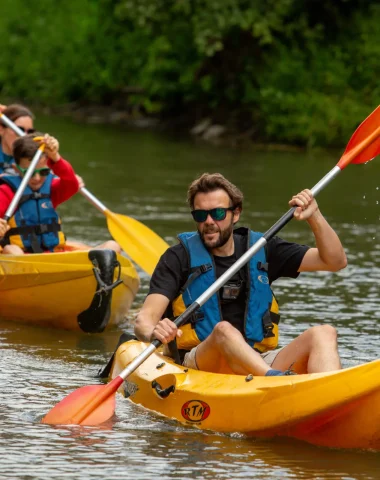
(83, 290)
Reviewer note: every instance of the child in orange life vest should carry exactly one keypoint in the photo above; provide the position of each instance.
(35, 227)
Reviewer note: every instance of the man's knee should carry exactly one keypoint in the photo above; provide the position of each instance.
(224, 331)
(114, 246)
(111, 245)
(324, 333)
(12, 250)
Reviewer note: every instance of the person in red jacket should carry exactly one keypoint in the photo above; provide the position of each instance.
(35, 226)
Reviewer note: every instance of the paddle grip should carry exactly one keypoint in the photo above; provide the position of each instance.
(187, 314)
(279, 224)
(156, 343)
(180, 320)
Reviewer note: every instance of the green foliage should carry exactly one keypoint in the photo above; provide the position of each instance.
(296, 71)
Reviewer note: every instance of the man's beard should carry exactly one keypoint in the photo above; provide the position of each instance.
(224, 235)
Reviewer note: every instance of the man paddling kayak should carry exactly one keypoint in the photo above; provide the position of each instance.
(236, 331)
(36, 227)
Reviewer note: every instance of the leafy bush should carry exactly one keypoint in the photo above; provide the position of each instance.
(292, 71)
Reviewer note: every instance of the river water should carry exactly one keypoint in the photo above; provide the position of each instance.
(145, 175)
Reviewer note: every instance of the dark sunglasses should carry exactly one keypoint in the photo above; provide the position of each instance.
(217, 214)
(44, 172)
(27, 130)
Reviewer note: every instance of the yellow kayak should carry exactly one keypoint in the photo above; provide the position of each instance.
(78, 290)
(338, 409)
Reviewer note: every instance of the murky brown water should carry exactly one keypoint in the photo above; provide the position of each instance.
(146, 175)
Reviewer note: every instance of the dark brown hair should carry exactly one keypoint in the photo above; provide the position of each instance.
(209, 182)
(25, 147)
(15, 111)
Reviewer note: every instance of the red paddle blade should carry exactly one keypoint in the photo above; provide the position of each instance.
(364, 144)
(91, 405)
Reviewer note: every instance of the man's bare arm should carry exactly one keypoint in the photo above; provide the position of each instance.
(148, 325)
(329, 253)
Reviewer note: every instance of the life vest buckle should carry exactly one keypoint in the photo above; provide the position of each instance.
(268, 325)
(42, 228)
(195, 318)
(268, 331)
(263, 266)
(205, 268)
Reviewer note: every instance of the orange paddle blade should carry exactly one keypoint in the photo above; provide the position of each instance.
(364, 144)
(91, 405)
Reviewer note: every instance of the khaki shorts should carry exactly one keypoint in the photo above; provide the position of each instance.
(190, 360)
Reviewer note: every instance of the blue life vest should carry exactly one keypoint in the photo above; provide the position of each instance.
(261, 315)
(6, 161)
(35, 226)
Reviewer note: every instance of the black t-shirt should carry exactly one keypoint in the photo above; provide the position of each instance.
(172, 271)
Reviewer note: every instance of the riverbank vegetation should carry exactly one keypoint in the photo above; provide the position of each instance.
(302, 72)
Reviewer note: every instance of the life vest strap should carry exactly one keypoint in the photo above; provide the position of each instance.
(269, 319)
(174, 352)
(33, 231)
(195, 272)
(36, 229)
(5, 165)
(33, 196)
